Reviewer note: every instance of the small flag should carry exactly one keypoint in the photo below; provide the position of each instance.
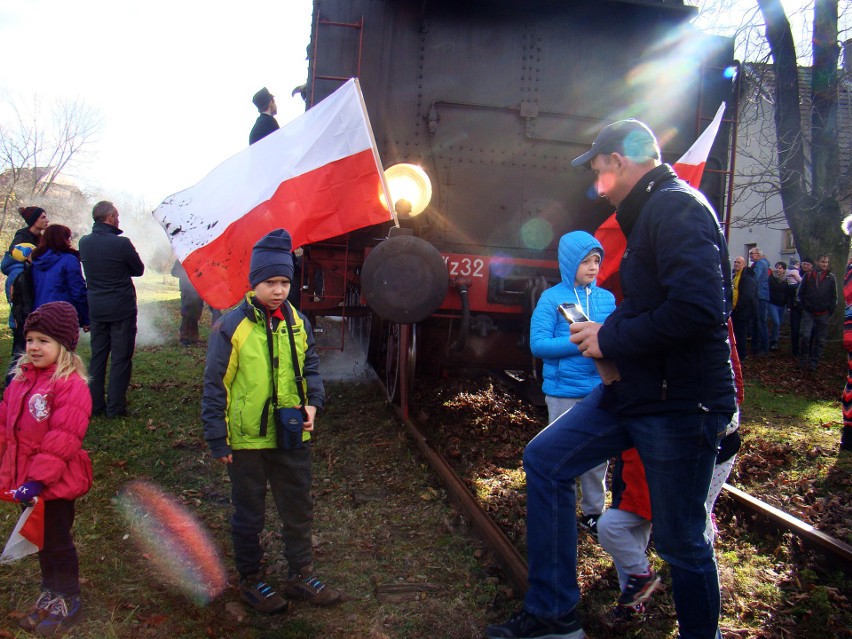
(689, 168)
(319, 176)
(28, 536)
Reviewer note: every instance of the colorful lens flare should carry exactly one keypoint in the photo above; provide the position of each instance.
(181, 550)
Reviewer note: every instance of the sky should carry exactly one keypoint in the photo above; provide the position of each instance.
(172, 79)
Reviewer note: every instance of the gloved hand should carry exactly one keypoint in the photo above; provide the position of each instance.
(27, 491)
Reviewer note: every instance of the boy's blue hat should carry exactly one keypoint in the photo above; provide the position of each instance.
(271, 257)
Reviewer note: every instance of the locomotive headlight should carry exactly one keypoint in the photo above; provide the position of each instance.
(410, 188)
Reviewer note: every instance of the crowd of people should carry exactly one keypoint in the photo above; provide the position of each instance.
(802, 295)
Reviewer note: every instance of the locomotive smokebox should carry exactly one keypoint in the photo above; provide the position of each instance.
(404, 279)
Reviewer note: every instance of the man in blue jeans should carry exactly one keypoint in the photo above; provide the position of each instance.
(675, 397)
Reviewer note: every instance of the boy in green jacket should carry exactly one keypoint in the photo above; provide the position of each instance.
(259, 422)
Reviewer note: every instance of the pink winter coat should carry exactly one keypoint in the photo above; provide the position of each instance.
(42, 425)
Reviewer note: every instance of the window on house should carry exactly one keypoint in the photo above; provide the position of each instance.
(789, 242)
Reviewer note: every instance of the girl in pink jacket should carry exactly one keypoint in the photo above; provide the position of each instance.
(44, 416)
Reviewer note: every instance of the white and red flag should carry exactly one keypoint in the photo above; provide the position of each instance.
(28, 535)
(318, 176)
(689, 168)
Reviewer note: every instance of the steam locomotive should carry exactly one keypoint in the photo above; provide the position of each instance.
(477, 107)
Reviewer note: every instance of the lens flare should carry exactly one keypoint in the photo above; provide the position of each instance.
(180, 549)
(536, 234)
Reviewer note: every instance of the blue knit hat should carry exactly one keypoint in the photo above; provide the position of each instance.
(271, 257)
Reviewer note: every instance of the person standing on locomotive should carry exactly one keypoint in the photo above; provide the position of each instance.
(568, 376)
(676, 396)
(266, 122)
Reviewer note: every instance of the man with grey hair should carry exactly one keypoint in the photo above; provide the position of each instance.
(669, 340)
(109, 262)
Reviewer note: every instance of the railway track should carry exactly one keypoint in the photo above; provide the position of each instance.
(752, 510)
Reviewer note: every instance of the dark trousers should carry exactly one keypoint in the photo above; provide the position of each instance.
(741, 326)
(113, 341)
(288, 474)
(795, 328)
(813, 336)
(191, 306)
(60, 569)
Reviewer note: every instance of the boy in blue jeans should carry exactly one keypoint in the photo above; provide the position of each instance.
(568, 376)
(250, 392)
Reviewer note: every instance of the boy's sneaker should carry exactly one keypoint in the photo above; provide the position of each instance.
(38, 612)
(622, 615)
(261, 597)
(526, 626)
(306, 586)
(61, 612)
(589, 523)
(639, 588)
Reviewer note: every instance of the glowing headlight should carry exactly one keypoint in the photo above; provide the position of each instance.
(410, 188)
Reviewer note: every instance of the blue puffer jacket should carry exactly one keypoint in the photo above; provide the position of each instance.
(58, 277)
(566, 372)
(669, 337)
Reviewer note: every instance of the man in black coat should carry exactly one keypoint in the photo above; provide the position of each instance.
(745, 303)
(109, 262)
(266, 122)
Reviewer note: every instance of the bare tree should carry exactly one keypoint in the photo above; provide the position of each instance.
(36, 147)
(808, 153)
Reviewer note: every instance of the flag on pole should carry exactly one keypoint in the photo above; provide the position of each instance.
(319, 176)
(689, 168)
(28, 536)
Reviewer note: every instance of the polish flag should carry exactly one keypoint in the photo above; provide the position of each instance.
(319, 176)
(689, 168)
(28, 536)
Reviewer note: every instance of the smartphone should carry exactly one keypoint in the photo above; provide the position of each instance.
(572, 313)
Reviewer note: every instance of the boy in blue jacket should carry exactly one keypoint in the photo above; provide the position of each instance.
(568, 376)
(251, 413)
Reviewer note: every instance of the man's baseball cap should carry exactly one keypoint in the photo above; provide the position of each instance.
(630, 138)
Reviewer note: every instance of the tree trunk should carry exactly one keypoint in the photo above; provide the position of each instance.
(810, 197)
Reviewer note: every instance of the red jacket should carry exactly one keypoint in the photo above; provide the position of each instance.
(42, 425)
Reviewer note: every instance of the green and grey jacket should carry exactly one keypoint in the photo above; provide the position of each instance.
(236, 407)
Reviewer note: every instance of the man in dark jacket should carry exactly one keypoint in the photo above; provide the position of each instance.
(266, 122)
(818, 296)
(110, 262)
(676, 396)
(745, 304)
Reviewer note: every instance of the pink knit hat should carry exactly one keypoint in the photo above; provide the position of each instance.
(57, 320)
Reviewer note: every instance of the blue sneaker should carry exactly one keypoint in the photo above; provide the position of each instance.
(62, 612)
(526, 626)
(38, 612)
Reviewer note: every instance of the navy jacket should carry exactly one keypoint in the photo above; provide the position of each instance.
(264, 125)
(57, 278)
(110, 262)
(669, 336)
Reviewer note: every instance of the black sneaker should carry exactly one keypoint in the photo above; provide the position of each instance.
(639, 589)
(589, 523)
(526, 626)
(260, 596)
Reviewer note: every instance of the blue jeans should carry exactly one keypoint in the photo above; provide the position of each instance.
(776, 316)
(679, 453)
